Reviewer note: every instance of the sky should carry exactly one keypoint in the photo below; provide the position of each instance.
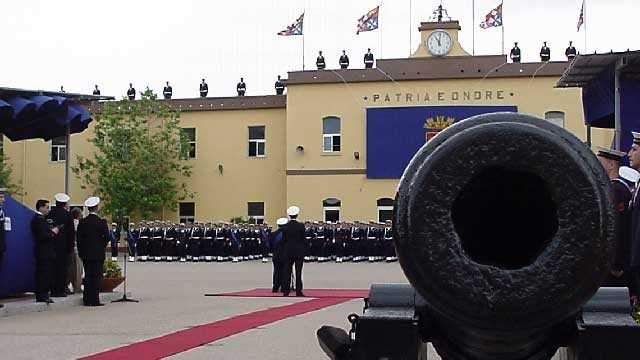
(79, 43)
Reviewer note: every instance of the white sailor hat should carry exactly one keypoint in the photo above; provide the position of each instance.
(636, 137)
(282, 221)
(610, 153)
(293, 211)
(62, 197)
(92, 202)
(629, 174)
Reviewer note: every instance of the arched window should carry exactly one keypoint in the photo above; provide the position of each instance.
(331, 140)
(555, 117)
(331, 209)
(385, 209)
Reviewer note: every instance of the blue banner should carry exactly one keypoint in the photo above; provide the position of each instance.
(18, 265)
(395, 134)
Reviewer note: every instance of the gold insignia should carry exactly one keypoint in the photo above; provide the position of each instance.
(440, 122)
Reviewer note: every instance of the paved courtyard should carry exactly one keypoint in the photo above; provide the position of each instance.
(172, 299)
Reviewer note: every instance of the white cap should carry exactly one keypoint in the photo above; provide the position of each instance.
(293, 211)
(92, 201)
(62, 197)
(629, 174)
(282, 221)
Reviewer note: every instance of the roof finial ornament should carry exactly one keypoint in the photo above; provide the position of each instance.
(439, 14)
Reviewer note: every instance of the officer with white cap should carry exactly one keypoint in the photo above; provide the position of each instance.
(93, 237)
(634, 162)
(294, 249)
(64, 243)
(275, 247)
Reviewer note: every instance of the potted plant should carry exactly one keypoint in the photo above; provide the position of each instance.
(112, 276)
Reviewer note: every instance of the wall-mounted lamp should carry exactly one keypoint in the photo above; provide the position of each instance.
(220, 168)
(356, 155)
(300, 148)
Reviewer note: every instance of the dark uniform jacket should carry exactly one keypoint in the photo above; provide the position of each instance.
(294, 244)
(571, 52)
(204, 89)
(515, 54)
(64, 242)
(320, 62)
(344, 61)
(545, 53)
(275, 243)
(93, 237)
(131, 93)
(167, 92)
(368, 59)
(621, 200)
(41, 229)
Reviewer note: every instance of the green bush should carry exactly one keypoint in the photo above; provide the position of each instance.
(111, 269)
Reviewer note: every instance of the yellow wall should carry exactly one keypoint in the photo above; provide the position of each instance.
(309, 104)
(222, 138)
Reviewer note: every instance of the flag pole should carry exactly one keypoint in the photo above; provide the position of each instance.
(410, 25)
(473, 22)
(585, 26)
(503, 51)
(303, 50)
(379, 29)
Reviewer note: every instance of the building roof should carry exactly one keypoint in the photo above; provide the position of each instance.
(586, 68)
(433, 68)
(221, 103)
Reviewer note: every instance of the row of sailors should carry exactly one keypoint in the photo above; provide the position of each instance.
(161, 241)
(167, 91)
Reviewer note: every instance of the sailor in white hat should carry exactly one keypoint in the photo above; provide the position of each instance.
(92, 243)
(61, 218)
(634, 270)
(275, 242)
(294, 249)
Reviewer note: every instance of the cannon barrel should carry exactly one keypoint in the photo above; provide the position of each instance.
(504, 227)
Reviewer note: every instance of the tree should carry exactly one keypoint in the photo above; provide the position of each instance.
(138, 165)
(6, 180)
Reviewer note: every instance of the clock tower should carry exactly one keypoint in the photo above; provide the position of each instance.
(439, 37)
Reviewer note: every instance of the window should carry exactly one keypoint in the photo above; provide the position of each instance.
(257, 142)
(59, 149)
(187, 213)
(385, 209)
(555, 117)
(190, 135)
(331, 210)
(255, 210)
(331, 134)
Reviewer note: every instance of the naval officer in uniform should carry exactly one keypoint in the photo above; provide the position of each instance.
(64, 242)
(545, 52)
(204, 89)
(368, 59)
(320, 61)
(131, 93)
(515, 53)
(294, 249)
(241, 88)
(44, 232)
(622, 193)
(279, 86)
(275, 245)
(167, 92)
(344, 60)
(634, 162)
(571, 52)
(93, 237)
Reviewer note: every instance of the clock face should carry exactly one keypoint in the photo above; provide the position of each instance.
(439, 43)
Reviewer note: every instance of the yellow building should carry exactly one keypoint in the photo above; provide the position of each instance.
(326, 146)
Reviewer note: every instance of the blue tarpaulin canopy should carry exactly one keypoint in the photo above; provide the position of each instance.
(597, 75)
(33, 114)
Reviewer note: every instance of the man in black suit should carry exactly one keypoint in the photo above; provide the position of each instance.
(93, 237)
(63, 243)
(44, 232)
(294, 248)
(131, 93)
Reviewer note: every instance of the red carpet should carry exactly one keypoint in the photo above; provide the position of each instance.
(310, 293)
(184, 340)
